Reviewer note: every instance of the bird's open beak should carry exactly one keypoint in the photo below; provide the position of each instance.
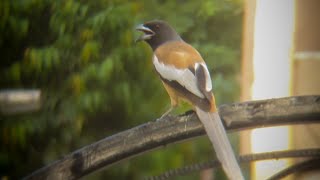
(148, 33)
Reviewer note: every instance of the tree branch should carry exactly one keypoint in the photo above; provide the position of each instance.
(238, 116)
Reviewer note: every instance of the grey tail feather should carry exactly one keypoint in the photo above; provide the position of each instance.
(218, 137)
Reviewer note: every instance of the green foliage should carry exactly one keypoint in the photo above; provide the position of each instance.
(96, 81)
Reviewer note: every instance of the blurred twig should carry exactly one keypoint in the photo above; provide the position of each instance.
(19, 101)
(148, 136)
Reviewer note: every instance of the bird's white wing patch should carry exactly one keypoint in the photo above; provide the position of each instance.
(183, 76)
(207, 75)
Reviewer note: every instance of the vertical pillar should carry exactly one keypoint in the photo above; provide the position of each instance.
(306, 72)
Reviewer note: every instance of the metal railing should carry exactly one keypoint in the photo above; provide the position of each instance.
(158, 133)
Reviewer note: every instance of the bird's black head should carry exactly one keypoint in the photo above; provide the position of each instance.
(157, 32)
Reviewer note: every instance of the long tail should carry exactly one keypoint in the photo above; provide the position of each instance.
(218, 136)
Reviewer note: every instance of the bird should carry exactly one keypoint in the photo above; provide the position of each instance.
(185, 76)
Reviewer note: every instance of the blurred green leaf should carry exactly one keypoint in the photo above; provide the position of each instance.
(89, 51)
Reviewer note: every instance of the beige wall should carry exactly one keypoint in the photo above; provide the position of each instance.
(306, 71)
(305, 67)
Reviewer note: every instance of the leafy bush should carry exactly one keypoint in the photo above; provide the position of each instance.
(96, 81)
